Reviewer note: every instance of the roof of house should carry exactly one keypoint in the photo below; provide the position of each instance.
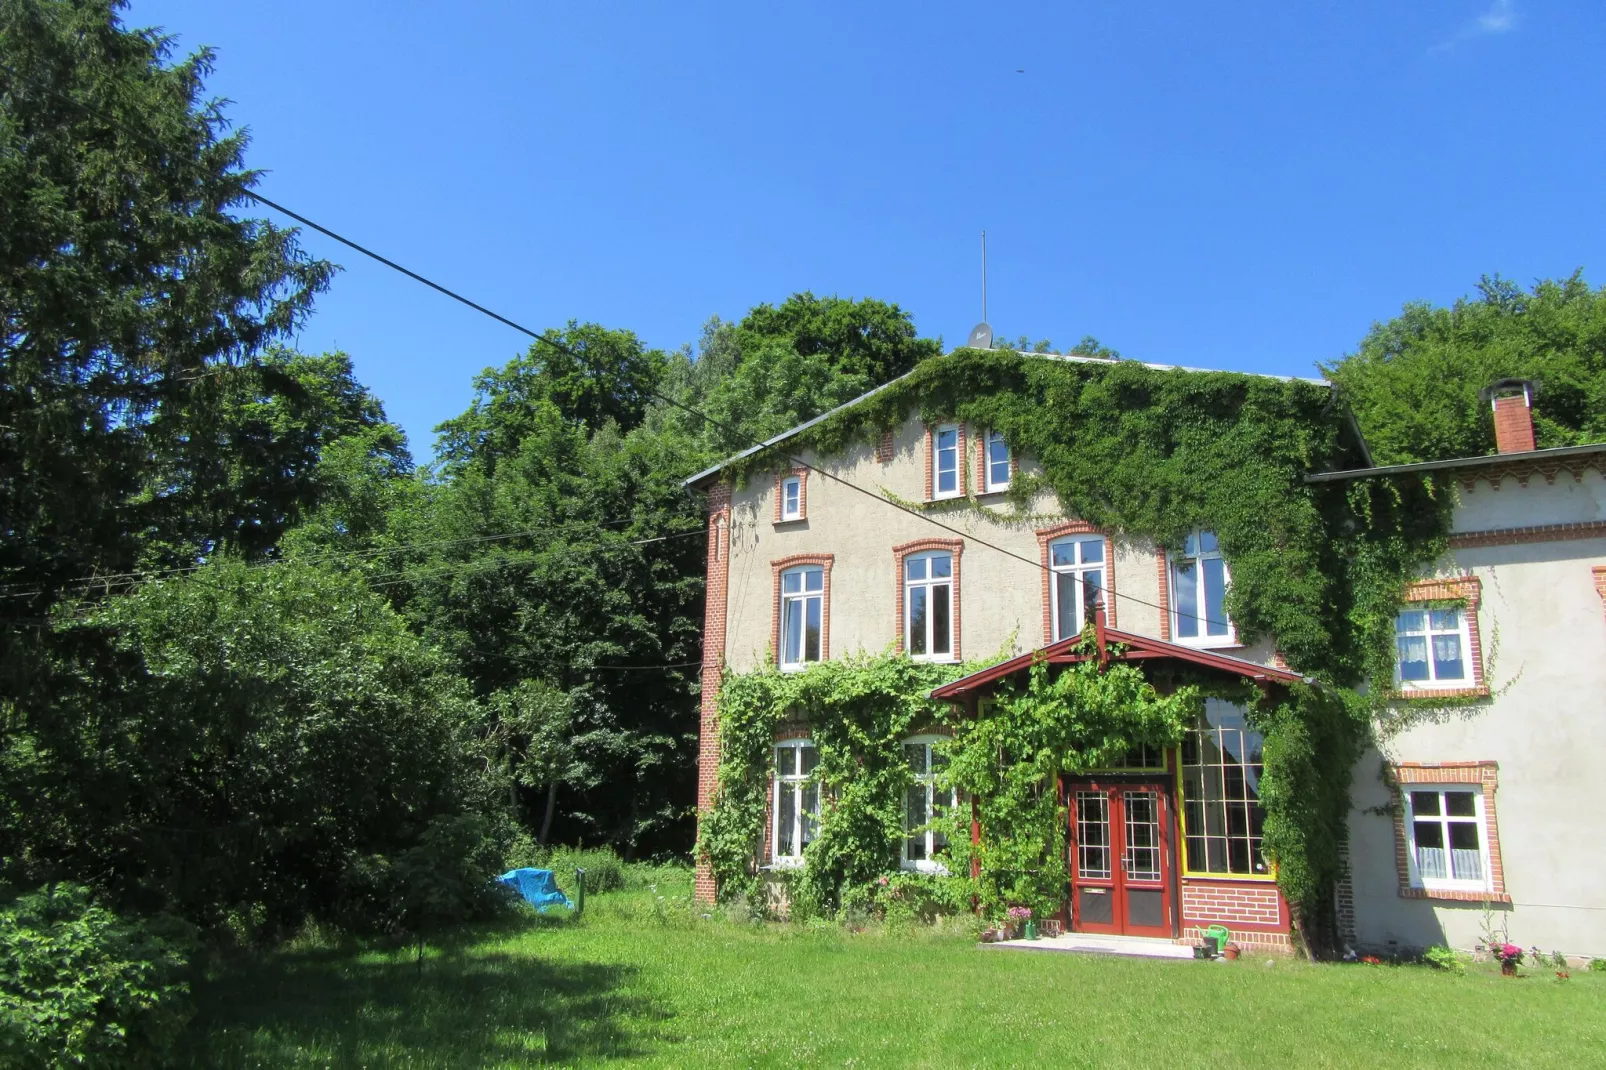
(1559, 453)
(1138, 648)
(1069, 358)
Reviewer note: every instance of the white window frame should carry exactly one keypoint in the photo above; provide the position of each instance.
(927, 780)
(1198, 560)
(930, 584)
(937, 470)
(1463, 630)
(1076, 574)
(802, 597)
(1479, 820)
(800, 787)
(792, 498)
(989, 462)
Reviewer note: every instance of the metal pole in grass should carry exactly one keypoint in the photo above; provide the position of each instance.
(580, 891)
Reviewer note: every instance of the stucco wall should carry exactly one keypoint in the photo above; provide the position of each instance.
(1000, 597)
(1544, 637)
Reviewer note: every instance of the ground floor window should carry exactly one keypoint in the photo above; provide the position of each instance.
(1447, 845)
(924, 802)
(1222, 816)
(797, 800)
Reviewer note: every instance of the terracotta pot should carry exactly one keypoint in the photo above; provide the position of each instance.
(1230, 953)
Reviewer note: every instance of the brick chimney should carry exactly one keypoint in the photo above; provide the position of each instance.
(1512, 400)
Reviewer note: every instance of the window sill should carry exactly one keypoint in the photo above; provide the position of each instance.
(805, 667)
(1399, 694)
(782, 864)
(1229, 643)
(791, 521)
(934, 659)
(1455, 895)
(1255, 878)
(940, 498)
(993, 492)
(933, 868)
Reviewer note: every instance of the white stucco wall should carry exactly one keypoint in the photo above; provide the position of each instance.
(1544, 636)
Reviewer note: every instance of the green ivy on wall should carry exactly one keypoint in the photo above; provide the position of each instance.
(1148, 453)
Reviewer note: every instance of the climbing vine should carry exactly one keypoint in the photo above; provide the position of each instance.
(1319, 567)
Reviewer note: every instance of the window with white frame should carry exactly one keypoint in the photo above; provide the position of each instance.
(1078, 568)
(802, 610)
(945, 461)
(928, 599)
(1199, 580)
(924, 803)
(997, 462)
(797, 801)
(792, 498)
(1433, 647)
(1448, 846)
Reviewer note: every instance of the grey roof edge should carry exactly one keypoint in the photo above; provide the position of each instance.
(770, 443)
(1554, 453)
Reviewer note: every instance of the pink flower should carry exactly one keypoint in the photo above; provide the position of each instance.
(884, 882)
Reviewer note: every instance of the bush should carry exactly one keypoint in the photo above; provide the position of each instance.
(1597, 965)
(1445, 959)
(82, 987)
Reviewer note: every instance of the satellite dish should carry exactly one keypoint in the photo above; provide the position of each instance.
(981, 337)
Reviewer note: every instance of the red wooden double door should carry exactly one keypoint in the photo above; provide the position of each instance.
(1121, 839)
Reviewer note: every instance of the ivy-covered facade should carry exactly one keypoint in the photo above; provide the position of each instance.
(992, 506)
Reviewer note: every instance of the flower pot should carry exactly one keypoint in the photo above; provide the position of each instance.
(1508, 968)
(1031, 930)
(1230, 952)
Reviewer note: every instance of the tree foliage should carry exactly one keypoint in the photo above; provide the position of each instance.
(1414, 381)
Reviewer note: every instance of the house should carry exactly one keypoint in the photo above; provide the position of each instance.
(911, 539)
(1490, 815)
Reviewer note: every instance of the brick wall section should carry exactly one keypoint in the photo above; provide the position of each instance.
(1600, 581)
(825, 562)
(1468, 589)
(1163, 563)
(1246, 903)
(1073, 527)
(1588, 529)
(957, 547)
(1484, 774)
(884, 448)
(716, 605)
(1513, 424)
(1344, 899)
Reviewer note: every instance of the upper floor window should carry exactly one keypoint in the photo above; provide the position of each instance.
(997, 461)
(1448, 844)
(945, 461)
(1222, 816)
(1433, 646)
(928, 598)
(802, 610)
(1199, 580)
(797, 800)
(1078, 568)
(792, 498)
(924, 804)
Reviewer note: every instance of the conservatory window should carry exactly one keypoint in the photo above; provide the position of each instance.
(924, 802)
(797, 801)
(1222, 816)
(928, 598)
(1433, 647)
(945, 461)
(1199, 581)
(802, 611)
(997, 462)
(1078, 568)
(1447, 845)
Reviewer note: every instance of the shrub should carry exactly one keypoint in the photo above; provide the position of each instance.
(1597, 965)
(1445, 959)
(83, 987)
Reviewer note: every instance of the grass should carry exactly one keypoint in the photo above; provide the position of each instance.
(650, 980)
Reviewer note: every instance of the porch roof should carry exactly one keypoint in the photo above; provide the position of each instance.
(1138, 648)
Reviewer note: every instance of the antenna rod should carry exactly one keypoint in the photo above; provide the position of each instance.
(984, 276)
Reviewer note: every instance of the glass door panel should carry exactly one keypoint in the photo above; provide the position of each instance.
(1120, 855)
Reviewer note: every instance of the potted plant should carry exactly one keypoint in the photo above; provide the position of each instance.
(1020, 921)
(1509, 955)
(1231, 952)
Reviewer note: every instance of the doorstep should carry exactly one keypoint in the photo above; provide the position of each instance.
(1143, 947)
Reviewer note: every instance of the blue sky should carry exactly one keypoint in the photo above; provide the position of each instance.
(1232, 185)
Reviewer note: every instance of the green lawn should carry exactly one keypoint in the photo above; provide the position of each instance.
(654, 982)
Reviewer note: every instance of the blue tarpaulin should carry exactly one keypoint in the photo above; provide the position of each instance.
(538, 887)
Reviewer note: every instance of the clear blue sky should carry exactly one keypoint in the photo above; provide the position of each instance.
(1233, 185)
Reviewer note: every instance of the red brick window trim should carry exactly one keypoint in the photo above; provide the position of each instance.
(1045, 537)
(1484, 775)
(1468, 590)
(899, 553)
(1600, 581)
(800, 474)
(824, 561)
(884, 448)
(1162, 561)
(961, 474)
